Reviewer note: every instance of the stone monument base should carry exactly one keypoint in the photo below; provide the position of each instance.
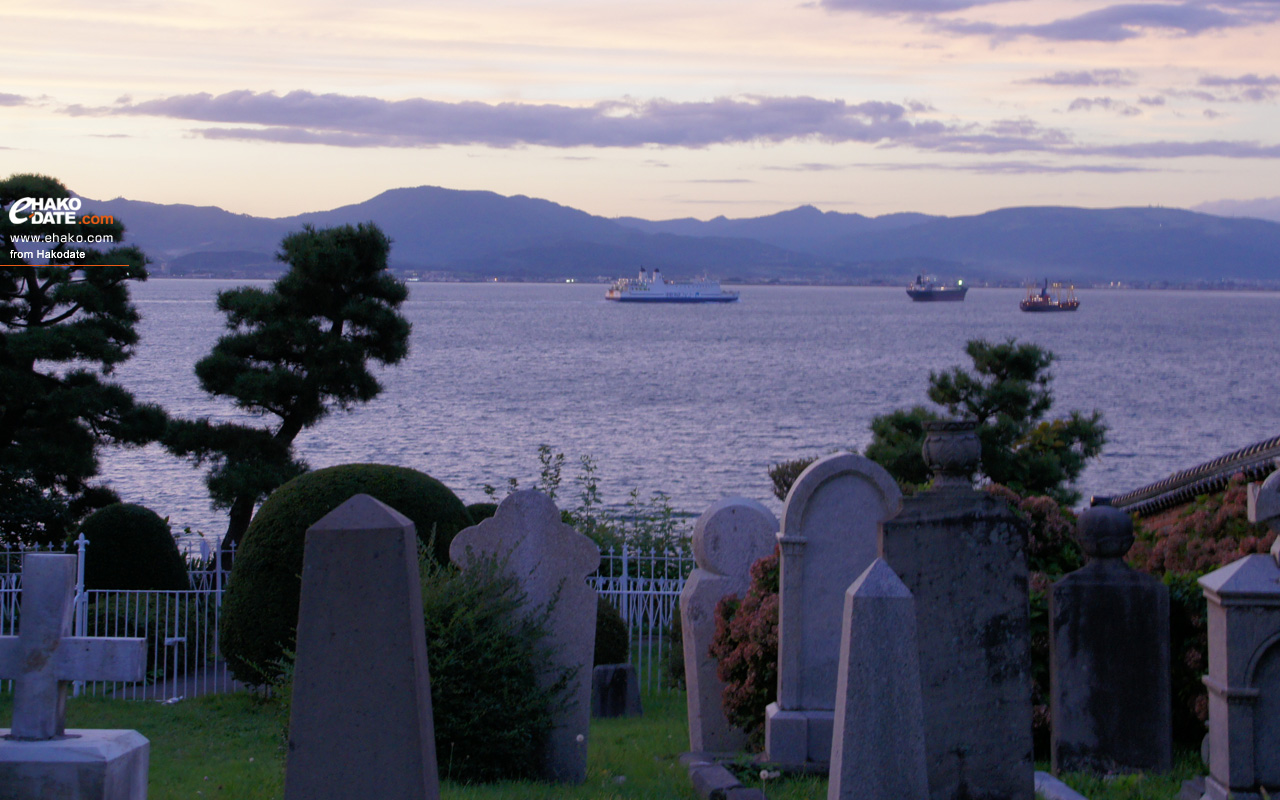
(83, 765)
(797, 738)
(1216, 791)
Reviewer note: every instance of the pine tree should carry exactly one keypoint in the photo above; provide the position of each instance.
(1008, 394)
(295, 351)
(64, 327)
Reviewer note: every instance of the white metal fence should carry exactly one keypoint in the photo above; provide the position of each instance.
(181, 627)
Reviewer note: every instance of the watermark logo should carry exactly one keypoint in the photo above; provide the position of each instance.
(53, 211)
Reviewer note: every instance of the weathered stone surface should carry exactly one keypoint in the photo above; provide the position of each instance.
(830, 524)
(552, 561)
(361, 710)
(1109, 658)
(44, 657)
(39, 759)
(962, 555)
(1244, 679)
(877, 750)
(728, 538)
(86, 765)
(615, 691)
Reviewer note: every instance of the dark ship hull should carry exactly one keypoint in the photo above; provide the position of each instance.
(938, 294)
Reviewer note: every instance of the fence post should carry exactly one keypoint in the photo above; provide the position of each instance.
(625, 595)
(81, 604)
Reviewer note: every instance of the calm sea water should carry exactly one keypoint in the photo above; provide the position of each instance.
(698, 401)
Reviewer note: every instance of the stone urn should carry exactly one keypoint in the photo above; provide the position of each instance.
(952, 451)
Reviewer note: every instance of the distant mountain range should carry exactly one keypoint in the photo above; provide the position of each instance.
(481, 235)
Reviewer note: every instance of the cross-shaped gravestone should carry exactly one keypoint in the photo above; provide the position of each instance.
(44, 658)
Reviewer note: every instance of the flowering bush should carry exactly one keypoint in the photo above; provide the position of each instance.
(1180, 546)
(746, 648)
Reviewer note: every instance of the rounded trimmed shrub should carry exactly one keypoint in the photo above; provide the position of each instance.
(131, 547)
(260, 610)
(613, 640)
(481, 511)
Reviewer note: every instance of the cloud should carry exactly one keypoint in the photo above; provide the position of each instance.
(1011, 168)
(12, 99)
(1108, 103)
(1249, 88)
(1154, 100)
(905, 6)
(302, 117)
(1093, 77)
(1119, 22)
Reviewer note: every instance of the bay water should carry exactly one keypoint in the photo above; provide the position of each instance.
(697, 401)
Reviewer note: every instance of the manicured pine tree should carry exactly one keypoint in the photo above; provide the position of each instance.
(295, 351)
(64, 326)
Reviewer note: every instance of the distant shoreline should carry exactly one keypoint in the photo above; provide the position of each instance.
(1198, 286)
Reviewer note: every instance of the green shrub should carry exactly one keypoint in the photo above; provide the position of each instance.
(130, 547)
(613, 640)
(481, 511)
(746, 648)
(673, 663)
(260, 611)
(486, 651)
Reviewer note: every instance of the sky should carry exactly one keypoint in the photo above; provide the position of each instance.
(663, 109)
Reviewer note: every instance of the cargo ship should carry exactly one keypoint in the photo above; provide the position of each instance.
(1061, 299)
(656, 289)
(926, 290)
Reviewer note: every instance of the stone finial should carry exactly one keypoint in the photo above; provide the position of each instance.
(1104, 532)
(952, 450)
(1264, 507)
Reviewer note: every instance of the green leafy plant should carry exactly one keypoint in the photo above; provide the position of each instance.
(260, 610)
(487, 647)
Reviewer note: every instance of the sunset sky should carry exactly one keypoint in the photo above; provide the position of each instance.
(660, 109)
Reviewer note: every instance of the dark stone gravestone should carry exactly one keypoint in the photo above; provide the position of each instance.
(1109, 658)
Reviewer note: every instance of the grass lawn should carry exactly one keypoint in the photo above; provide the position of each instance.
(232, 746)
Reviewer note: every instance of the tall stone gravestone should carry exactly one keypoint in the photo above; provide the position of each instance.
(1244, 665)
(361, 722)
(728, 538)
(877, 749)
(1109, 680)
(830, 525)
(962, 555)
(552, 562)
(39, 758)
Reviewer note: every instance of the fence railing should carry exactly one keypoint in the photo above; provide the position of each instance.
(181, 627)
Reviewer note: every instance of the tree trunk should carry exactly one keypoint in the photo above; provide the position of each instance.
(241, 513)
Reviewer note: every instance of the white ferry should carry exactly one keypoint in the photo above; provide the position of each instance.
(655, 289)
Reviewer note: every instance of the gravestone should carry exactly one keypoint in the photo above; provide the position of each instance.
(728, 538)
(40, 758)
(962, 555)
(1109, 685)
(361, 720)
(830, 525)
(552, 562)
(1244, 665)
(615, 691)
(877, 748)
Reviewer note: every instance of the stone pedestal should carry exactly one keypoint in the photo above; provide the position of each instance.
(82, 765)
(962, 555)
(1109, 658)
